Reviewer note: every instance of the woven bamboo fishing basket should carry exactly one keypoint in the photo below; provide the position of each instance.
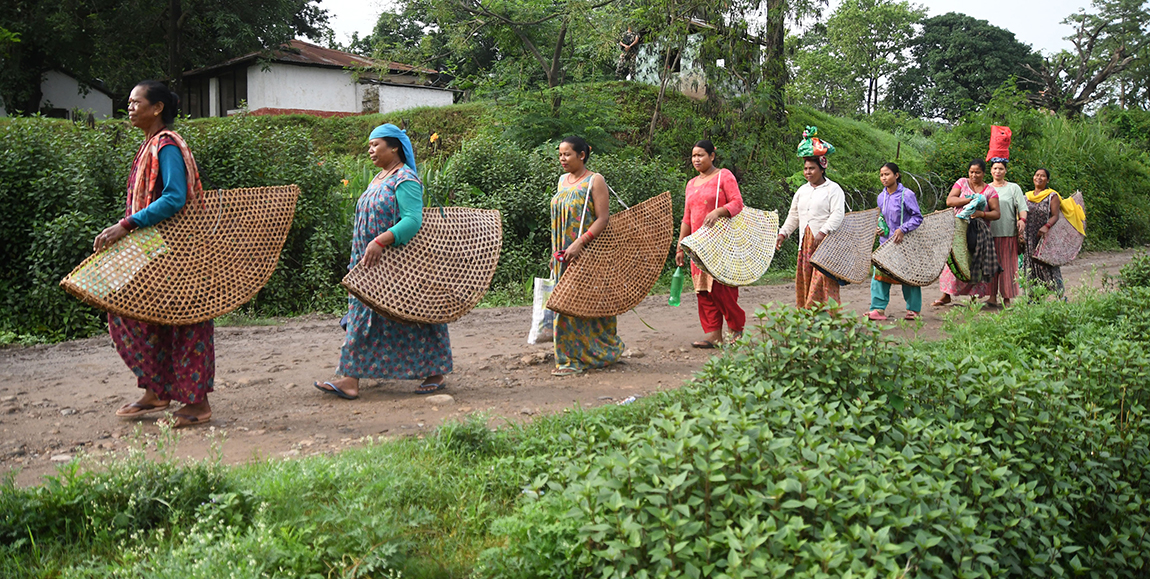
(440, 275)
(960, 258)
(736, 251)
(845, 253)
(1062, 243)
(620, 266)
(919, 259)
(204, 262)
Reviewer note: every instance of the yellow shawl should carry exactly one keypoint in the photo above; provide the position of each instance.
(1072, 211)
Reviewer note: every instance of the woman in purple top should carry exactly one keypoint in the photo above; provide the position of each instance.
(899, 208)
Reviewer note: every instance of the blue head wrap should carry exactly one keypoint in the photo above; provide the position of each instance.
(390, 130)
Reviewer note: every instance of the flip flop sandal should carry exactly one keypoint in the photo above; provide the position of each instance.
(431, 387)
(705, 345)
(187, 420)
(143, 409)
(940, 303)
(561, 372)
(335, 390)
(911, 316)
(876, 316)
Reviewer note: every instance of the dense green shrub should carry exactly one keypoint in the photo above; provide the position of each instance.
(133, 496)
(819, 448)
(60, 184)
(1136, 273)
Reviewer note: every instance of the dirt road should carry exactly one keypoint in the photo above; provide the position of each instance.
(59, 401)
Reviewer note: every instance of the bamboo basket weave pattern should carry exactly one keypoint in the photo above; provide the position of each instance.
(1062, 243)
(919, 259)
(959, 259)
(736, 251)
(620, 266)
(440, 275)
(204, 262)
(846, 252)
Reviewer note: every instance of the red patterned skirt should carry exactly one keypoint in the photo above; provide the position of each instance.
(811, 286)
(173, 362)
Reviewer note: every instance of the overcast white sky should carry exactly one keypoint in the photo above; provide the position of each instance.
(1035, 22)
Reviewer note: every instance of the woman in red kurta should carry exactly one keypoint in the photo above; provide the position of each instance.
(711, 195)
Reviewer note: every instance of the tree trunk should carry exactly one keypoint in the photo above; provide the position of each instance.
(175, 65)
(664, 76)
(774, 64)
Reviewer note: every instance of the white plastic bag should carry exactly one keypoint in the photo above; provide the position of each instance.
(542, 319)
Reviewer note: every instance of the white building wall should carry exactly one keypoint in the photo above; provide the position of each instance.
(63, 92)
(285, 86)
(398, 98)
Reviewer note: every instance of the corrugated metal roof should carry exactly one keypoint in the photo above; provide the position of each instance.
(308, 54)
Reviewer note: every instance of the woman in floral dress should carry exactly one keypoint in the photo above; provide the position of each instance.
(390, 212)
(579, 212)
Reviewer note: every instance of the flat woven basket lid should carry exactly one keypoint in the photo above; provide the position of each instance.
(1062, 243)
(736, 251)
(845, 253)
(959, 252)
(919, 259)
(438, 276)
(620, 266)
(202, 263)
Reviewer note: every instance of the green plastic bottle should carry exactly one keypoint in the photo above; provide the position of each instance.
(883, 226)
(676, 287)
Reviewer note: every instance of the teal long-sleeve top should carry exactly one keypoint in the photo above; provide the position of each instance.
(174, 176)
(409, 197)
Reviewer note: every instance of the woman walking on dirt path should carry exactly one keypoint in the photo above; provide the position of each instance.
(580, 343)
(961, 194)
(1005, 229)
(170, 362)
(818, 206)
(709, 196)
(1044, 206)
(389, 212)
(899, 208)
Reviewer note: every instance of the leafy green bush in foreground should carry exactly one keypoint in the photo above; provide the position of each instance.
(820, 449)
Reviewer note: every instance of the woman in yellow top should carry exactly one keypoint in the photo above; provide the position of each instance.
(1044, 208)
(579, 212)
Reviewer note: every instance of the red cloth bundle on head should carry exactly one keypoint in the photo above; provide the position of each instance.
(999, 143)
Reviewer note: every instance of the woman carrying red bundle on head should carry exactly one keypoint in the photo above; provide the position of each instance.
(714, 193)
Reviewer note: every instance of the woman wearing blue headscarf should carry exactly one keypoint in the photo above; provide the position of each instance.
(390, 212)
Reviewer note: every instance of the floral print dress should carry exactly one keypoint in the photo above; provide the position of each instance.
(580, 343)
(377, 347)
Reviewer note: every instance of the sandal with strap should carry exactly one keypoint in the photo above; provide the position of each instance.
(911, 316)
(877, 315)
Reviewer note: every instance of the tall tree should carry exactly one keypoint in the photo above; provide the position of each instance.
(872, 37)
(958, 63)
(1106, 44)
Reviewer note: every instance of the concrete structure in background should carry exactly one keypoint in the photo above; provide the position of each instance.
(305, 78)
(67, 98)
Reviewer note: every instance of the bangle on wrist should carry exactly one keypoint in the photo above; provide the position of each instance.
(377, 242)
(127, 224)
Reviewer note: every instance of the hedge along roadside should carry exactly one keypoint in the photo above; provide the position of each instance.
(60, 184)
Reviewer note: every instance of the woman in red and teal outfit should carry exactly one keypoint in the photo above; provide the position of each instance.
(711, 195)
(170, 362)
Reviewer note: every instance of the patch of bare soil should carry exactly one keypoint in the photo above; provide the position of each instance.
(58, 401)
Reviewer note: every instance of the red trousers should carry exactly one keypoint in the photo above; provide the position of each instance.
(721, 302)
